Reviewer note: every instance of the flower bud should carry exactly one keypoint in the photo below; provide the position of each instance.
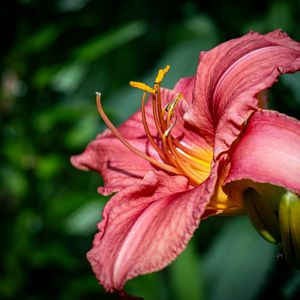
(261, 215)
(289, 222)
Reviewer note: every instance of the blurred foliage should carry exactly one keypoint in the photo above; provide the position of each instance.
(56, 55)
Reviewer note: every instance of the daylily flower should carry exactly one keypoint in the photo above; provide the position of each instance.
(192, 152)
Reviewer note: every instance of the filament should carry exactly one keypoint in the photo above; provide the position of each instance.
(146, 128)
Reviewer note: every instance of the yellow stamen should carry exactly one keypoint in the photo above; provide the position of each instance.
(171, 107)
(142, 86)
(116, 132)
(161, 74)
(167, 132)
(156, 115)
(159, 107)
(146, 128)
(166, 147)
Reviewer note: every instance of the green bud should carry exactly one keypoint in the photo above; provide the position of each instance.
(262, 216)
(289, 221)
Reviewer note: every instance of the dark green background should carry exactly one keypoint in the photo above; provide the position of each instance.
(54, 56)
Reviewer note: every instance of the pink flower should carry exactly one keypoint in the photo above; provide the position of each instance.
(190, 153)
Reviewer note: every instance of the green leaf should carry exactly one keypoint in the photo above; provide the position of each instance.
(292, 285)
(69, 77)
(83, 131)
(292, 81)
(42, 38)
(149, 286)
(186, 277)
(238, 262)
(101, 45)
(84, 220)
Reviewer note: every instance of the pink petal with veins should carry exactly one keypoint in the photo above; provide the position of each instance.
(146, 226)
(268, 151)
(230, 76)
(186, 87)
(110, 158)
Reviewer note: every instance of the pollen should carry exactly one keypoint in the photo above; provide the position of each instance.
(142, 86)
(161, 74)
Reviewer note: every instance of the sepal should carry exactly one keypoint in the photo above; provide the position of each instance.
(262, 216)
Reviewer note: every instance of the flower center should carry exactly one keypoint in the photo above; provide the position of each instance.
(177, 158)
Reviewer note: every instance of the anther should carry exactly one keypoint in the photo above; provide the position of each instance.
(167, 132)
(142, 86)
(171, 105)
(161, 74)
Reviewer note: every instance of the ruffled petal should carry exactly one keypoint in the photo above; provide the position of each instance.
(146, 226)
(268, 152)
(110, 158)
(231, 75)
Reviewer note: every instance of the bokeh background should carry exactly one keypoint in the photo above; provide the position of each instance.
(54, 56)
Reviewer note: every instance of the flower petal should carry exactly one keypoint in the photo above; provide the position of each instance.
(268, 151)
(231, 75)
(146, 226)
(183, 131)
(186, 87)
(110, 158)
(186, 133)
